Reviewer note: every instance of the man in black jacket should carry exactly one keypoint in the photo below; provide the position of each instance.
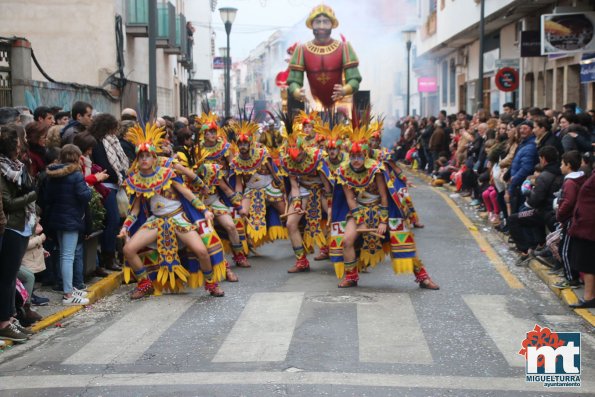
(544, 136)
(527, 227)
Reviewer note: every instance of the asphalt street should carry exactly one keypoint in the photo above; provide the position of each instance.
(278, 334)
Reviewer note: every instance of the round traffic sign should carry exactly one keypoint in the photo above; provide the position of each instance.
(507, 79)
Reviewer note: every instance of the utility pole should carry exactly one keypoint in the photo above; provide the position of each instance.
(152, 59)
(479, 88)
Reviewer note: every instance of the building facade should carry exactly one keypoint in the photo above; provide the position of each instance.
(97, 51)
(447, 48)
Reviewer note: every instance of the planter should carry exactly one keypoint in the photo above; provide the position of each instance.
(90, 253)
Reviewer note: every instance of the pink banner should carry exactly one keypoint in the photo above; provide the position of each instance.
(427, 84)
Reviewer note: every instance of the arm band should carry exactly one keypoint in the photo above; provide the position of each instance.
(384, 215)
(198, 204)
(130, 219)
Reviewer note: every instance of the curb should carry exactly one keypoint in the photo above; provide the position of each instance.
(97, 291)
(567, 295)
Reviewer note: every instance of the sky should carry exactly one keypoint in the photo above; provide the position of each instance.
(256, 20)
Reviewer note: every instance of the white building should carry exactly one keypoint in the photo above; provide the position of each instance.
(102, 47)
(447, 47)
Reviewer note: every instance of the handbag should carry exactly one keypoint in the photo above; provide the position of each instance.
(122, 200)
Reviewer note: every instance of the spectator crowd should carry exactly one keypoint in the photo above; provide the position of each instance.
(528, 171)
(60, 173)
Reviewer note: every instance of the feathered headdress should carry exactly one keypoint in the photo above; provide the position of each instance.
(295, 138)
(149, 140)
(244, 130)
(359, 137)
(375, 128)
(305, 118)
(208, 121)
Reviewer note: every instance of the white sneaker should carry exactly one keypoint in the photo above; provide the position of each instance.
(79, 292)
(2, 343)
(75, 300)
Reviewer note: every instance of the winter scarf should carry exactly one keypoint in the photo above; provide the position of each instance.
(116, 156)
(14, 171)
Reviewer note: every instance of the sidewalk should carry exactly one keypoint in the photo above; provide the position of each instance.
(97, 287)
(568, 296)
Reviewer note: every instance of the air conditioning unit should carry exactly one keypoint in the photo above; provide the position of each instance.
(461, 59)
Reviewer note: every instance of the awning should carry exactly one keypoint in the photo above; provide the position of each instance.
(200, 85)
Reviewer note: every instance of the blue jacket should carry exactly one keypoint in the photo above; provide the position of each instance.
(523, 163)
(66, 197)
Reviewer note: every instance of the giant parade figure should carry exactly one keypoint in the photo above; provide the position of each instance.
(330, 65)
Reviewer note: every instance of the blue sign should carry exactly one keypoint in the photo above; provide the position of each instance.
(588, 72)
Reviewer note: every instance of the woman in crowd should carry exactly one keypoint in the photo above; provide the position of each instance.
(36, 139)
(18, 201)
(109, 155)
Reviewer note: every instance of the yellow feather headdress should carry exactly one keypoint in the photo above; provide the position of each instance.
(305, 118)
(208, 121)
(334, 137)
(149, 140)
(375, 128)
(244, 130)
(359, 137)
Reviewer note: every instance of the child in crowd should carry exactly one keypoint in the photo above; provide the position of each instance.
(33, 262)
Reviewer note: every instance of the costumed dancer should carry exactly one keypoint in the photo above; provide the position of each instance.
(258, 182)
(396, 173)
(222, 199)
(308, 122)
(364, 210)
(164, 211)
(309, 186)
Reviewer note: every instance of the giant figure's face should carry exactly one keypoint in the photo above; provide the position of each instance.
(322, 26)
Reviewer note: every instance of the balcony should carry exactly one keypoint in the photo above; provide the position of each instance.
(176, 47)
(166, 25)
(137, 18)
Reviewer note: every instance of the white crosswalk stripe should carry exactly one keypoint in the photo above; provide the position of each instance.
(264, 330)
(506, 330)
(389, 331)
(144, 325)
(387, 326)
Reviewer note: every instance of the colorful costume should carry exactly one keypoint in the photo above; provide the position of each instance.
(215, 171)
(325, 64)
(307, 166)
(261, 187)
(164, 209)
(368, 214)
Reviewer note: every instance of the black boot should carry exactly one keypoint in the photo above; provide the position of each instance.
(108, 261)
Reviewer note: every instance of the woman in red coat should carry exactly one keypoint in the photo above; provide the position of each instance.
(582, 241)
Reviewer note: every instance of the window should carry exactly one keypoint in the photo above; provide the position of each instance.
(445, 83)
(453, 77)
(433, 6)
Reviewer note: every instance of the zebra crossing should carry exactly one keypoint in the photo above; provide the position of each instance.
(388, 329)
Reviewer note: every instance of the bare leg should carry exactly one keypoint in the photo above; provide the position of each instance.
(349, 258)
(137, 242)
(194, 243)
(297, 243)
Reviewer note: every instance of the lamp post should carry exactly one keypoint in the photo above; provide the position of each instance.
(408, 37)
(223, 53)
(228, 15)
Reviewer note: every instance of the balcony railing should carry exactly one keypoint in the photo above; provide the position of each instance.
(137, 18)
(166, 25)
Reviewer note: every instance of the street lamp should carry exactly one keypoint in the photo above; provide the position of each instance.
(228, 15)
(408, 37)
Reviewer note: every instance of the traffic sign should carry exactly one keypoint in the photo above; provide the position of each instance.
(507, 79)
